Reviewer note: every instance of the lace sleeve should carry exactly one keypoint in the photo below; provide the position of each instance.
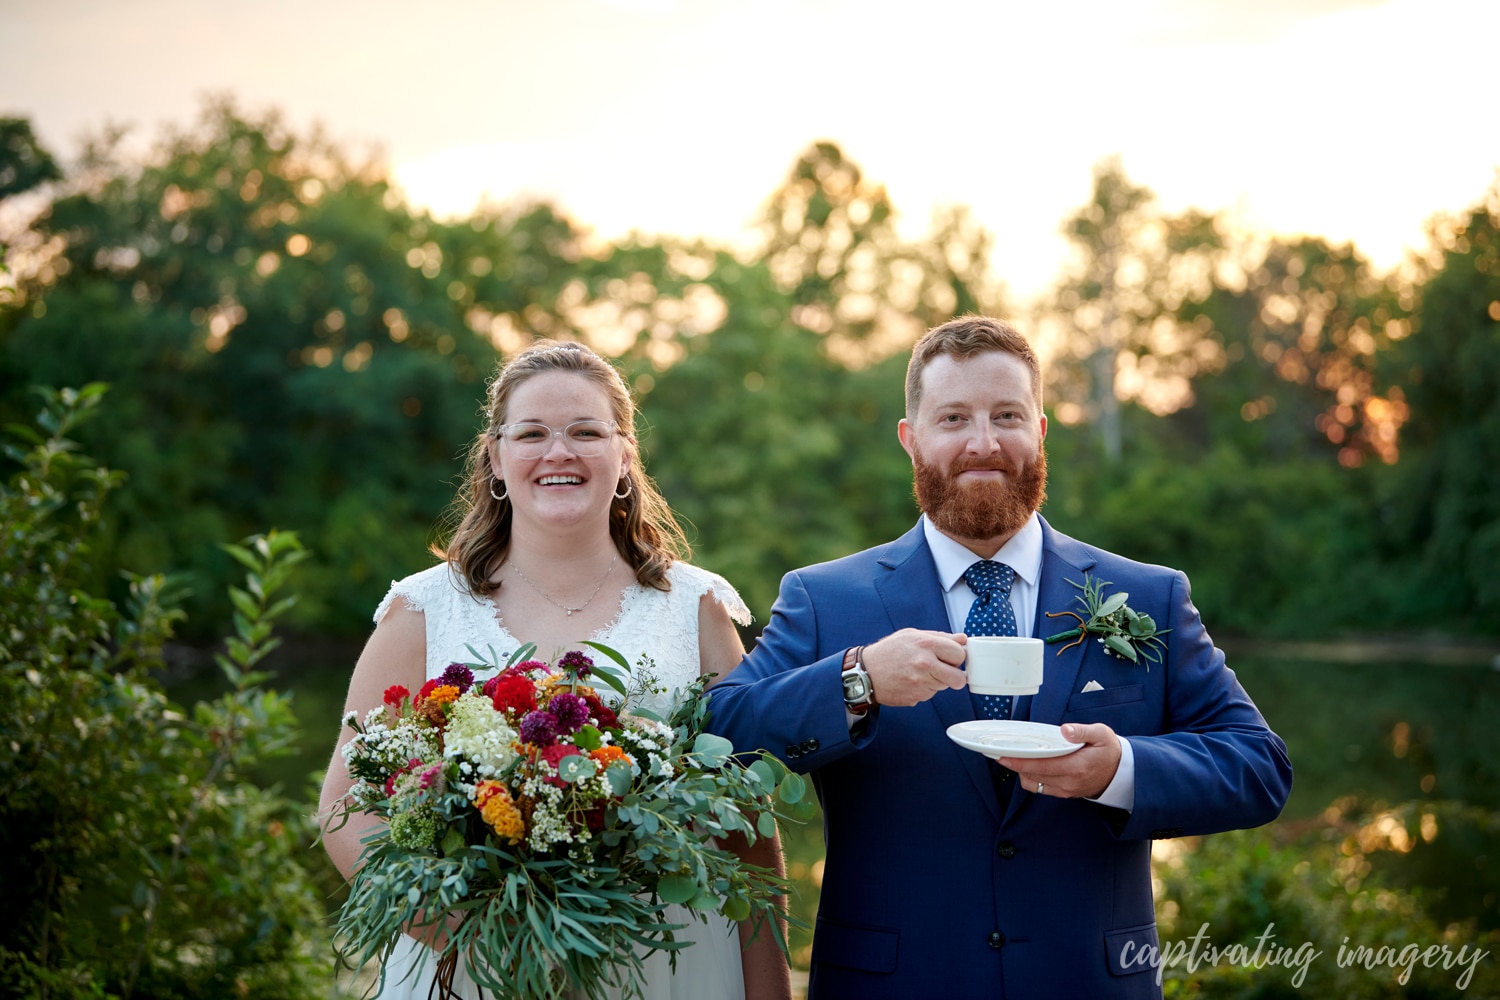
(700, 581)
(418, 590)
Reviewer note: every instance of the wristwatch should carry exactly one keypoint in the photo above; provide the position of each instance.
(859, 690)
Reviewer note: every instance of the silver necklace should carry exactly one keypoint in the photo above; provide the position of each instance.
(553, 601)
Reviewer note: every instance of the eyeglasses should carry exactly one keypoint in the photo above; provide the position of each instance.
(585, 438)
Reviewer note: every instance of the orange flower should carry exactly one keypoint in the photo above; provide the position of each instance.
(607, 755)
(499, 810)
(443, 694)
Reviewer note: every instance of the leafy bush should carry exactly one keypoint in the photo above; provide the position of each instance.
(1309, 900)
(136, 862)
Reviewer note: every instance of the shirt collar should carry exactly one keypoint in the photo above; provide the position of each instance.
(1023, 553)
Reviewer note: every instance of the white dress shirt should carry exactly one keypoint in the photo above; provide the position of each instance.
(1023, 553)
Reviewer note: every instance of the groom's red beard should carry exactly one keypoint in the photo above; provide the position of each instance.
(985, 508)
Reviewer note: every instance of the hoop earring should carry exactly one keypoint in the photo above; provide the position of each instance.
(629, 489)
(498, 496)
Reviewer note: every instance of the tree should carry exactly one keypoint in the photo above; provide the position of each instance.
(289, 342)
(1446, 507)
(24, 164)
(1133, 268)
(830, 242)
(137, 861)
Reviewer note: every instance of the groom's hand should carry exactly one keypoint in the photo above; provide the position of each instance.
(912, 665)
(1083, 774)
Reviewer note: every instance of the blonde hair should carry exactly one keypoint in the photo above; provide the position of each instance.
(641, 524)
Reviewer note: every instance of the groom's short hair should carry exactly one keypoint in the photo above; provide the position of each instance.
(961, 339)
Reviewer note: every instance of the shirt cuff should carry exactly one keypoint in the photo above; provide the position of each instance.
(1121, 791)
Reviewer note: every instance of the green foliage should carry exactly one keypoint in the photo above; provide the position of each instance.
(1311, 899)
(23, 163)
(1446, 512)
(135, 860)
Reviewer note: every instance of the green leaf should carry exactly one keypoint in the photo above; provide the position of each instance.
(576, 767)
(1121, 646)
(609, 677)
(713, 749)
(588, 738)
(1112, 603)
(736, 908)
(619, 777)
(792, 788)
(677, 888)
(766, 824)
(765, 773)
(613, 654)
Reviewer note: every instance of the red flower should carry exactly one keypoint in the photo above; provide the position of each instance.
(395, 694)
(604, 716)
(427, 689)
(512, 693)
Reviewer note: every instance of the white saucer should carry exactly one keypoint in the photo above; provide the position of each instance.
(1007, 738)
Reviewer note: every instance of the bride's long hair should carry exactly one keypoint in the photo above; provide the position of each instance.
(641, 524)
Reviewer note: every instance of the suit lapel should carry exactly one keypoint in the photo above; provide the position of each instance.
(908, 585)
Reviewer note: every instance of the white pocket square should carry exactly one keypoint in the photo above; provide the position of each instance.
(1092, 686)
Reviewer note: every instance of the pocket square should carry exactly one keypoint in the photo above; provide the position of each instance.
(1092, 686)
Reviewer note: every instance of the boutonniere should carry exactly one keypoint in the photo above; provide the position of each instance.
(1123, 631)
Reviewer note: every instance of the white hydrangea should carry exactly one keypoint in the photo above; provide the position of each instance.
(481, 737)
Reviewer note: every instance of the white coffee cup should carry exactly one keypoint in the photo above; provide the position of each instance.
(1004, 664)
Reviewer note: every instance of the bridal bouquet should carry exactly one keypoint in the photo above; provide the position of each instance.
(536, 835)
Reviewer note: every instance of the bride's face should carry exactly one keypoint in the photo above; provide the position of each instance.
(559, 486)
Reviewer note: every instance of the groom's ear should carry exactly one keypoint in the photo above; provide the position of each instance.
(907, 436)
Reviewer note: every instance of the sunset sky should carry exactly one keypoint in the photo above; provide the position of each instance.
(1352, 119)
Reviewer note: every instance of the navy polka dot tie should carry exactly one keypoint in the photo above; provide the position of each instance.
(991, 615)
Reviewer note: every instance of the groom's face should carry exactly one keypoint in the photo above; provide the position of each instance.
(976, 446)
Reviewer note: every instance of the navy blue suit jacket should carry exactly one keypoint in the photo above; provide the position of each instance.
(930, 887)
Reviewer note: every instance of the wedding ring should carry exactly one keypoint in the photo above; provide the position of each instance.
(1039, 788)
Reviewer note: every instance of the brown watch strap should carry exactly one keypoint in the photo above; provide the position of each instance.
(851, 660)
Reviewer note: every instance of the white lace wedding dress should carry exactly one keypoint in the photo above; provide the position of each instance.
(662, 625)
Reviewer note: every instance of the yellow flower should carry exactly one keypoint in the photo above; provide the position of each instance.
(499, 810)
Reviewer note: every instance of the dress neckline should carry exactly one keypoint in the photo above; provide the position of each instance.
(631, 589)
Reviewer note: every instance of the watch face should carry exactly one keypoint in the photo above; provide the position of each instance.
(855, 688)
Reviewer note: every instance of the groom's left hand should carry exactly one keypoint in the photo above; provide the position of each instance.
(1084, 773)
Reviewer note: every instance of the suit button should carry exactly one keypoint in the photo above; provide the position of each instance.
(793, 751)
(808, 746)
(997, 940)
(1006, 849)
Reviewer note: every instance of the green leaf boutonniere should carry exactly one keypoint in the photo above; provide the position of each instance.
(1122, 630)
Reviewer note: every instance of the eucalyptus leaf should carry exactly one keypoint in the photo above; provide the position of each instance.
(764, 773)
(712, 748)
(792, 789)
(576, 767)
(1121, 646)
(677, 888)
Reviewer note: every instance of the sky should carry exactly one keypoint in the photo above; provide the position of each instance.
(1355, 120)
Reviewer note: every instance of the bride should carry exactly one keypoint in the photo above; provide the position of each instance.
(563, 538)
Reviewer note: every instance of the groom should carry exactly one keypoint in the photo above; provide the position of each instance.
(947, 874)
